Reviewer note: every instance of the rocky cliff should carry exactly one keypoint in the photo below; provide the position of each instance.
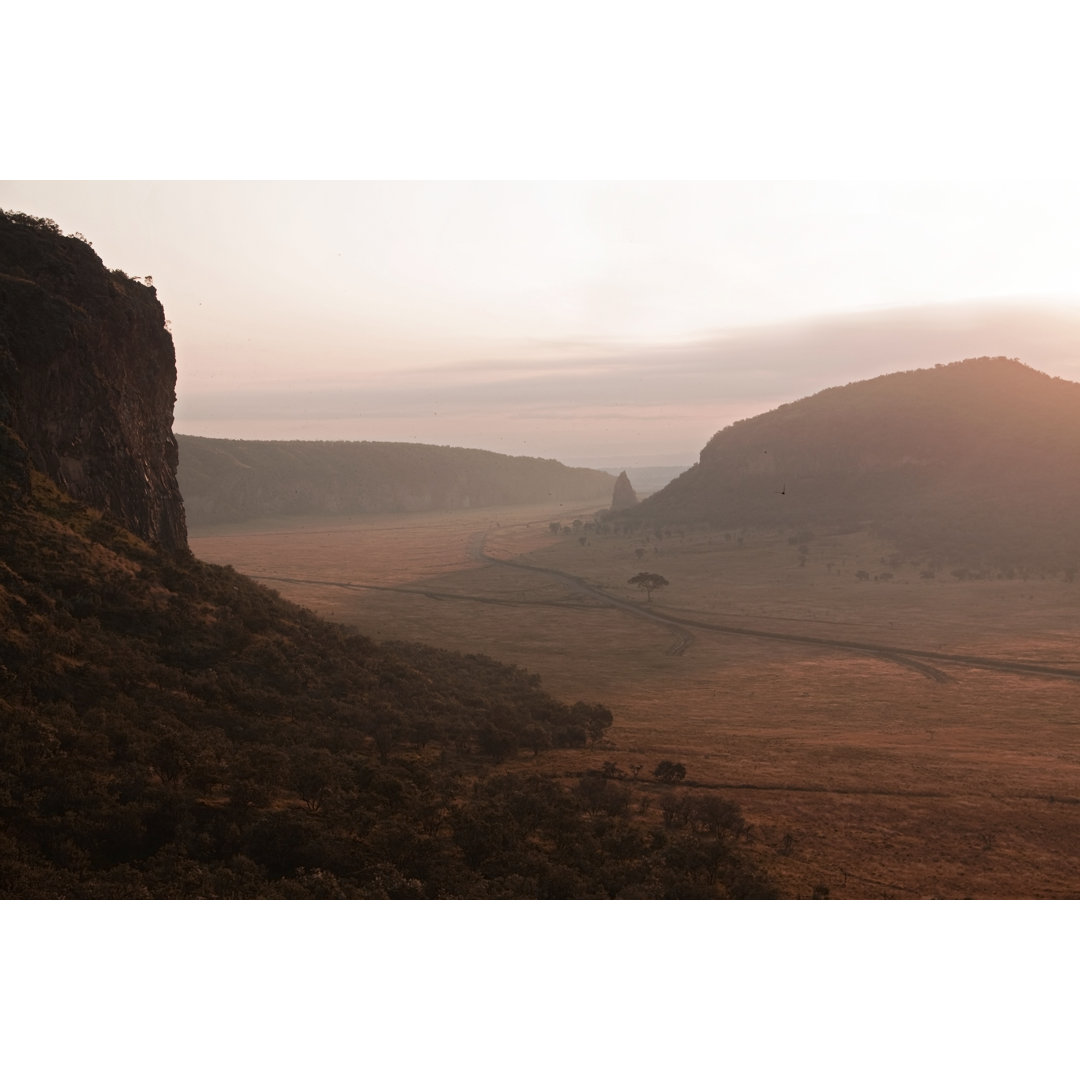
(87, 380)
(623, 496)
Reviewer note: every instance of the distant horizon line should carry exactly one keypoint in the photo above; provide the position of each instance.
(605, 463)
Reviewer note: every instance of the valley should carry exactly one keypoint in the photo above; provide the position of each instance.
(840, 651)
(884, 732)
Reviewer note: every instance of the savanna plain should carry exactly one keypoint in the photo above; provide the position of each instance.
(886, 733)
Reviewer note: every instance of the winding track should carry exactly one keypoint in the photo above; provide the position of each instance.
(912, 658)
(916, 659)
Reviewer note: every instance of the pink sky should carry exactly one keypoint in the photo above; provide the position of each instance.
(882, 187)
(872, 189)
(599, 322)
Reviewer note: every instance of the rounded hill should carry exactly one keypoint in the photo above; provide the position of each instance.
(977, 460)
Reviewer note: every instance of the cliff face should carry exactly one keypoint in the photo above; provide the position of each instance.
(87, 379)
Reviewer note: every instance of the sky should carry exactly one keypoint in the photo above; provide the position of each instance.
(602, 322)
(597, 231)
(585, 231)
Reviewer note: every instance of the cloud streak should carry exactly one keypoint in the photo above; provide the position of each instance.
(627, 403)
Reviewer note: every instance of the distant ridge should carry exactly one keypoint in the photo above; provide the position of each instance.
(228, 480)
(977, 460)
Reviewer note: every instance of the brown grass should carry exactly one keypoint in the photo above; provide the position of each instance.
(857, 771)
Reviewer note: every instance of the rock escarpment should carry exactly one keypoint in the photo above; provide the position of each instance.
(624, 496)
(87, 380)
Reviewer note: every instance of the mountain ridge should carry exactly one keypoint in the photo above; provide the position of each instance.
(230, 480)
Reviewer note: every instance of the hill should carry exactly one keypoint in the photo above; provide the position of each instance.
(973, 462)
(171, 729)
(224, 480)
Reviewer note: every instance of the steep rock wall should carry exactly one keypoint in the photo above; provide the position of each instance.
(87, 378)
(623, 497)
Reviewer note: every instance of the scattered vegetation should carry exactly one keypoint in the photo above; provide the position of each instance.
(884, 775)
(168, 728)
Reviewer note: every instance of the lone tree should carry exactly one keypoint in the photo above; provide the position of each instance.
(648, 582)
(670, 772)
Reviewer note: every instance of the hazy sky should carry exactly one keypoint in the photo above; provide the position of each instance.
(617, 323)
(870, 166)
(876, 188)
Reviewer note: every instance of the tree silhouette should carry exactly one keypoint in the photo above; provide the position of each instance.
(648, 582)
(670, 772)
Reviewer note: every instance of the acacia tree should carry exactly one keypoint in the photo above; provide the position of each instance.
(648, 582)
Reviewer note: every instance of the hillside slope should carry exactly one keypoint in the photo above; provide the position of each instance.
(236, 480)
(169, 728)
(977, 460)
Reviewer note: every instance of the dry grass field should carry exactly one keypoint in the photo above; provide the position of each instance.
(868, 760)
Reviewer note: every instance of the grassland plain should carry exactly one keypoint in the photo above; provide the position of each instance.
(867, 762)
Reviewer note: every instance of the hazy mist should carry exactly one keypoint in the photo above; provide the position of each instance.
(596, 323)
(641, 404)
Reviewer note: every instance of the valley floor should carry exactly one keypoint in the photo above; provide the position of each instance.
(886, 735)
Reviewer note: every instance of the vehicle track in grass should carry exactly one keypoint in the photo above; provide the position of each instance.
(916, 659)
(682, 628)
